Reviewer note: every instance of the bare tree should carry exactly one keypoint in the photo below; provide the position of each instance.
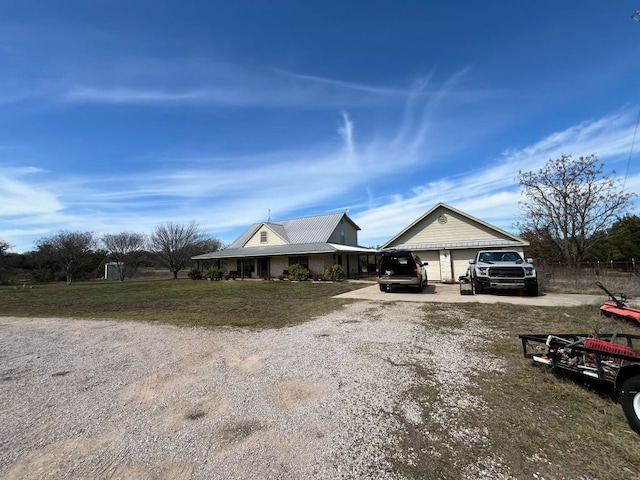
(174, 244)
(69, 249)
(570, 202)
(4, 247)
(123, 248)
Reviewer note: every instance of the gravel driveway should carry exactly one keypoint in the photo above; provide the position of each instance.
(114, 399)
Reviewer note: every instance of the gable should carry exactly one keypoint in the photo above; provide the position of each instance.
(446, 226)
(345, 233)
(269, 232)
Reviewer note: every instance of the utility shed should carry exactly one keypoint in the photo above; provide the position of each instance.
(447, 238)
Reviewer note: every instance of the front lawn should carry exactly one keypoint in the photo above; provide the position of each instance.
(181, 302)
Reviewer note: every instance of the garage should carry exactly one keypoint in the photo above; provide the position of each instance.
(447, 238)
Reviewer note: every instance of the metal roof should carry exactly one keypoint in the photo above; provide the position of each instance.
(313, 229)
(293, 249)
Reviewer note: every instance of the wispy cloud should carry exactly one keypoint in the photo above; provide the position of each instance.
(20, 196)
(376, 90)
(492, 192)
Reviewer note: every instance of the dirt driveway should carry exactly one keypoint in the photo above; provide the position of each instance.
(331, 398)
(112, 399)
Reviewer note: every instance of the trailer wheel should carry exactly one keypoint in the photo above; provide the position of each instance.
(630, 400)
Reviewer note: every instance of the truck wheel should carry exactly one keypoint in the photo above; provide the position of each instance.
(630, 400)
(532, 290)
(477, 287)
(383, 287)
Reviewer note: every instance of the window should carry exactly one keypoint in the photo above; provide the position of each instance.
(263, 237)
(303, 260)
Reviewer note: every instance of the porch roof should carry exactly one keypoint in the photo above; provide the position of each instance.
(277, 250)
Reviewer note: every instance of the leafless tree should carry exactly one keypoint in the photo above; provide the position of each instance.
(4, 247)
(570, 202)
(69, 250)
(123, 248)
(174, 244)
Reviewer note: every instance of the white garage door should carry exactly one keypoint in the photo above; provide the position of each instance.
(433, 269)
(460, 260)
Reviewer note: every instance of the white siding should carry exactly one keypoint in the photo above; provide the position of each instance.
(272, 238)
(455, 228)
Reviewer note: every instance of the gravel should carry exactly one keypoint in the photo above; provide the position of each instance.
(325, 399)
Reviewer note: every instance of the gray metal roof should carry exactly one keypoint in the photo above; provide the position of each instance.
(293, 249)
(304, 230)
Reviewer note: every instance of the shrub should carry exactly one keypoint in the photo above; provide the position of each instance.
(298, 273)
(213, 273)
(195, 274)
(334, 273)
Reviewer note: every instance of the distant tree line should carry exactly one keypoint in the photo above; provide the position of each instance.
(73, 256)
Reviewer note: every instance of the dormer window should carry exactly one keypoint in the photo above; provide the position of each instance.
(263, 237)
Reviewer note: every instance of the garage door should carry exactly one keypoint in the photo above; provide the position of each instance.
(433, 269)
(461, 261)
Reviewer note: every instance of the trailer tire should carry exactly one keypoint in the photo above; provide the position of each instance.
(630, 401)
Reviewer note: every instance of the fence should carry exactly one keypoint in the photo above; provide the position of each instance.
(620, 276)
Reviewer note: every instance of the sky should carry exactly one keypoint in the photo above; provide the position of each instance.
(124, 115)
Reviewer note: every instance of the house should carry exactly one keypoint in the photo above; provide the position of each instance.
(447, 238)
(267, 249)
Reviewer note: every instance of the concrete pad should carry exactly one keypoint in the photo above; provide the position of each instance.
(450, 293)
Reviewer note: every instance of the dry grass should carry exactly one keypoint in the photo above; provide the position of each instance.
(538, 424)
(249, 303)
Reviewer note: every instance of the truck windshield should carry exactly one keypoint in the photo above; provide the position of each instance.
(490, 257)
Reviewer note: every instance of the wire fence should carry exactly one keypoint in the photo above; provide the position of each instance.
(619, 276)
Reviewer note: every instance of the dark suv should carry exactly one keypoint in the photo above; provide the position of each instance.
(400, 267)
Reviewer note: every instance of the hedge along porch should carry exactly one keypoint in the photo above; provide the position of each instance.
(266, 250)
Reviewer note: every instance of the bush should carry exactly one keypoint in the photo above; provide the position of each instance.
(213, 273)
(195, 274)
(298, 273)
(334, 273)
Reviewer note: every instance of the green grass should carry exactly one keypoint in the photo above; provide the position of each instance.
(180, 302)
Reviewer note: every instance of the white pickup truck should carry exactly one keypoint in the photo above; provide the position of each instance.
(501, 270)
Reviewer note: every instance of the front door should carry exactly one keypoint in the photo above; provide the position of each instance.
(264, 268)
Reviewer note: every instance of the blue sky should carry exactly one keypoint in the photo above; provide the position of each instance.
(123, 115)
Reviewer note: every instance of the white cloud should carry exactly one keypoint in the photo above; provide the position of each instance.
(20, 197)
(492, 193)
